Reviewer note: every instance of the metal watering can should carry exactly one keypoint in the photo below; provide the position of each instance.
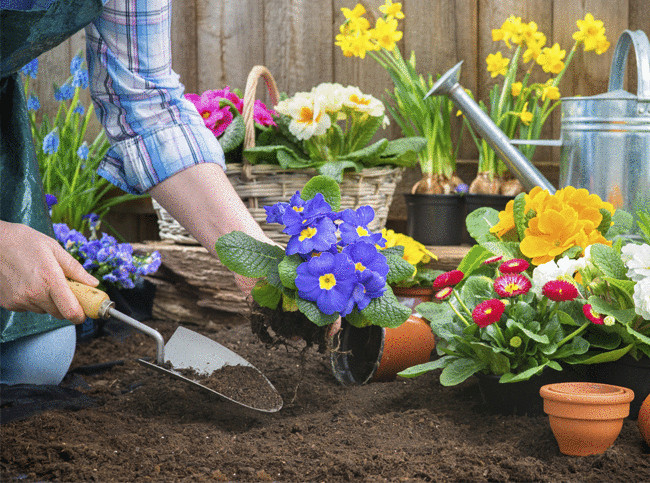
(605, 139)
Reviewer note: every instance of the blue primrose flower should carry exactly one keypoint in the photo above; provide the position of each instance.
(318, 236)
(314, 253)
(33, 104)
(30, 69)
(50, 200)
(51, 142)
(354, 226)
(300, 213)
(64, 93)
(274, 213)
(328, 280)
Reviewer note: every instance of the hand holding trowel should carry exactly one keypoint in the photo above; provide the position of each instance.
(187, 355)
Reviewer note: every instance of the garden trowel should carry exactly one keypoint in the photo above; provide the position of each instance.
(186, 353)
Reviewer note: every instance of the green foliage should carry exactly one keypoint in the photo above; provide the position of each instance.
(326, 186)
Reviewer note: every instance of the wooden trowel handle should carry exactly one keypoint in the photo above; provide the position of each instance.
(94, 301)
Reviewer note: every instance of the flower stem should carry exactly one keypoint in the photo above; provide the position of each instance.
(462, 304)
(460, 316)
(573, 334)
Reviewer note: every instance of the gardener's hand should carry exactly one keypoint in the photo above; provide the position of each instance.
(33, 271)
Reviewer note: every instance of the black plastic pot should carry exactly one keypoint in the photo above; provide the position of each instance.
(435, 219)
(625, 372)
(356, 353)
(522, 398)
(473, 202)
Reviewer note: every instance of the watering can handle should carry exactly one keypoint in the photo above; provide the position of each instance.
(642, 50)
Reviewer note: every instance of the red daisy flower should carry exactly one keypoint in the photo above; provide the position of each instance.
(560, 290)
(488, 312)
(516, 265)
(448, 279)
(511, 285)
(594, 317)
(492, 260)
(444, 293)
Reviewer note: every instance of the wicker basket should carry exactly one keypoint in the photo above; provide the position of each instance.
(263, 185)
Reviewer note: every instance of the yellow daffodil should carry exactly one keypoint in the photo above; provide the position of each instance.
(592, 34)
(551, 59)
(357, 12)
(386, 33)
(525, 115)
(549, 91)
(391, 9)
(355, 44)
(516, 89)
(497, 64)
(534, 48)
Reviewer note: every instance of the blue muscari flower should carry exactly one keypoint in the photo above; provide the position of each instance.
(50, 200)
(51, 142)
(149, 265)
(64, 93)
(300, 213)
(462, 188)
(93, 218)
(83, 151)
(75, 63)
(30, 69)
(33, 104)
(354, 226)
(274, 213)
(74, 239)
(80, 79)
(79, 109)
(318, 236)
(328, 280)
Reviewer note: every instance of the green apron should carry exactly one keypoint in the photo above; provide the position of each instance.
(24, 35)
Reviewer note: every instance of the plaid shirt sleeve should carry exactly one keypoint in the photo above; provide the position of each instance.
(154, 131)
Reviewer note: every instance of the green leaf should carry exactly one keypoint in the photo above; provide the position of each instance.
(622, 224)
(335, 169)
(608, 261)
(386, 311)
(541, 338)
(625, 316)
(497, 363)
(576, 346)
(519, 212)
(288, 159)
(639, 336)
(606, 222)
(507, 250)
(400, 146)
(604, 340)
(312, 312)
(398, 268)
(266, 295)
(420, 369)
(476, 289)
(287, 270)
(522, 376)
(608, 356)
(325, 185)
(369, 152)
(459, 370)
(234, 134)
(473, 259)
(247, 256)
(479, 222)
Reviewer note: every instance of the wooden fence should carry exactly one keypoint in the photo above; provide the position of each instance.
(216, 43)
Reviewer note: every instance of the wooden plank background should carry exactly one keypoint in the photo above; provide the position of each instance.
(216, 43)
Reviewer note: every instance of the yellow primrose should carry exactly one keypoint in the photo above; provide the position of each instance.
(506, 220)
(391, 9)
(549, 91)
(414, 251)
(551, 59)
(386, 33)
(516, 89)
(497, 64)
(591, 33)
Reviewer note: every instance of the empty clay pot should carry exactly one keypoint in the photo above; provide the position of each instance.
(644, 420)
(585, 417)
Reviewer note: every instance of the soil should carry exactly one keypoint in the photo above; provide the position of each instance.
(130, 423)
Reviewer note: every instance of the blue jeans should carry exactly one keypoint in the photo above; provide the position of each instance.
(38, 359)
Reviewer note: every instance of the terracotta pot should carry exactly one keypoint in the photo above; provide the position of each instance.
(585, 417)
(413, 296)
(644, 420)
(376, 354)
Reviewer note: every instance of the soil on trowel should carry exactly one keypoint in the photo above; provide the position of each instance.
(147, 426)
(243, 384)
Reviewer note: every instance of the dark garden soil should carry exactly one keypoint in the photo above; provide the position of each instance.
(147, 426)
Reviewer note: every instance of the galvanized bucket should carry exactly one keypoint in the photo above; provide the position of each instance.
(606, 138)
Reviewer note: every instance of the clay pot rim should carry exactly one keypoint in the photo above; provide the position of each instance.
(586, 393)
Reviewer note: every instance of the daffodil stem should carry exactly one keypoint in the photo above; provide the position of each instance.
(573, 334)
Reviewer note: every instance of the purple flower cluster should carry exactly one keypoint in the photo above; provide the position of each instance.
(342, 267)
(111, 262)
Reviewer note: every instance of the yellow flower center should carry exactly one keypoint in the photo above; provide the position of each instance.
(206, 114)
(512, 287)
(308, 232)
(359, 100)
(359, 266)
(306, 115)
(327, 281)
(298, 209)
(361, 231)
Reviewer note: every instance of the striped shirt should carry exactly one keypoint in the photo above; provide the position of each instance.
(154, 131)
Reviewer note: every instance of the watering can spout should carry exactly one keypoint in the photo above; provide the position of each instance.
(519, 165)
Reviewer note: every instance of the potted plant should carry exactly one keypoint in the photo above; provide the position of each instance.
(330, 268)
(515, 310)
(433, 204)
(118, 268)
(68, 163)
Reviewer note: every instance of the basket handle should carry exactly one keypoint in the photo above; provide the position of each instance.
(249, 108)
